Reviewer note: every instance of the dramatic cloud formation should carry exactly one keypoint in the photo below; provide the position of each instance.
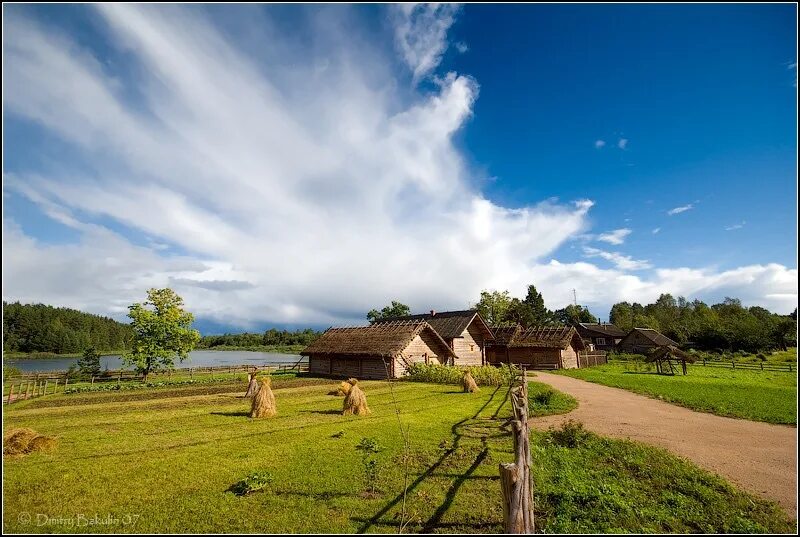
(179, 156)
(682, 209)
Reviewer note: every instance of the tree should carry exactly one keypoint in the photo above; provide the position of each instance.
(396, 309)
(89, 363)
(539, 314)
(573, 314)
(493, 306)
(161, 332)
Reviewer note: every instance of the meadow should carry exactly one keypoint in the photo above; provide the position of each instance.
(172, 459)
(754, 395)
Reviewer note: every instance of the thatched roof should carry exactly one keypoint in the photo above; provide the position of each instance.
(448, 324)
(667, 352)
(655, 336)
(547, 337)
(386, 339)
(601, 330)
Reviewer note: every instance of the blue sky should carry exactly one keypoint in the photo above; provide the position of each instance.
(290, 165)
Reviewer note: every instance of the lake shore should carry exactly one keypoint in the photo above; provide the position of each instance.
(280, 349)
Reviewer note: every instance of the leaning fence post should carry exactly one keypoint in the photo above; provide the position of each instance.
(10, 393)
(66, 381)
(45, 387)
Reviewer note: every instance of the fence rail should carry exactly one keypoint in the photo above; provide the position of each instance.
(748, 366)
(592, 358)
(36, 384)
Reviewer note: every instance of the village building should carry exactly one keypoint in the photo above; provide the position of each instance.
(465, 332)
(600, 336)
(378, 351)
(644, 340)
(537, 347)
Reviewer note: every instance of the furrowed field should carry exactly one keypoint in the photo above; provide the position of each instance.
(164, 460)
(754, 395)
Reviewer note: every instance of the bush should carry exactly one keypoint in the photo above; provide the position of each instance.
(9, 371)
(570, 435)
(486, 375)
(252, 483)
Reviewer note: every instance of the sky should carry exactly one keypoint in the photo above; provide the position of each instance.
(291, 166)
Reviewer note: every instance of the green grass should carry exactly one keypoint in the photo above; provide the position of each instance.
(545, 401)
(169, 459)
(754, 395)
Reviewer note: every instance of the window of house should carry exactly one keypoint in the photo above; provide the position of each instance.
(472, 347)
(601, 341)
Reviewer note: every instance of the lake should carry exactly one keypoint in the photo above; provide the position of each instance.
(196, 359)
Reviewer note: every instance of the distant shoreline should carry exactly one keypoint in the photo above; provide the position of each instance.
(280, 349)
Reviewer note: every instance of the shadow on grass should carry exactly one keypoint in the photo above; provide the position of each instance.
(328, 412)
(236, 414)
(472, 427)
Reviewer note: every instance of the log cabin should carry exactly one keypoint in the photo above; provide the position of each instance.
(602, 336)
(465, 332)
(644, 340)
(537, 347)
(378, 351)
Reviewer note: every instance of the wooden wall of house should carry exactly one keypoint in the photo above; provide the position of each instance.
(636, 342)
(533, 356)
(421, 349)
(340, 366)
(319, 365)
(468, 346)
(569, 358)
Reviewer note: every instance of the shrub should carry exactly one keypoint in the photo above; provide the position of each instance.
(487, 375)
(254, 482)
(10, 371)
(369, 449)
(570, 435)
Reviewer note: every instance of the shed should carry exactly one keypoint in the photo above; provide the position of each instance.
(644, 340)
(542, 347)
(664, 356)
(378, 351)
(604, 336)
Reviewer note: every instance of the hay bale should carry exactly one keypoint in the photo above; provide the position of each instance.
(468, 383)
(356, 401)
(343, 388)
(264, 401)
(24, 440)
(252, 384)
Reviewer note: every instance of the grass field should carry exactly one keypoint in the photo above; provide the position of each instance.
(754, 395)
(164, 459)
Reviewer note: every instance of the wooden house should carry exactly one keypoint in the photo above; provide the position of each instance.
(465, 332)
(378, 351)
(602, 336)
(538, 347)
(644, 340)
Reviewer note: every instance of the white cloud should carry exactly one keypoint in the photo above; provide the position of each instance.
(622, 143)
(616, 236)
(682, 209)
(288, 204)
(599, 144)
(736, 226)
(421, 34)
(656, 230)
(622, 262)
(462, 47)
(793, 66)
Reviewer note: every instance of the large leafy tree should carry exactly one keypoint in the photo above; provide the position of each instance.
(574, 314)
(161, 332)
(494, 306)
(395, 309)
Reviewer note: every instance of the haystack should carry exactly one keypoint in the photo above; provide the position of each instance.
(468, 383)
(24, 440)
(355, 402)
(343, 388)
(264, 401)
(252, 384)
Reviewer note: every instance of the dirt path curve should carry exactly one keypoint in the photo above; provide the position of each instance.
(758, 457)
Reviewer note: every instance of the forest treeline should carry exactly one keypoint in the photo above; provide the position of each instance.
(724, 326)
(40, 328)
(271, 337)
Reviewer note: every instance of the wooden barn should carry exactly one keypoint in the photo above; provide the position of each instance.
(465, 332)
(538, 347)
(644, 340)
(377, 351)
(602, 336)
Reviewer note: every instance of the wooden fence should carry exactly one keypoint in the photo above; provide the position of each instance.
(732, 364)
(515, 477)
(28, 385)
(591, 358)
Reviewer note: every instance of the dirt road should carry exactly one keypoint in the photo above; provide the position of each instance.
(758, 457)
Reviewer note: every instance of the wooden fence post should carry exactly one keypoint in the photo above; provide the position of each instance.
(27, 389)
(66, 381)
(515, 478)
(92, 380)
(55, 387)
(45, 387)
(10, 394)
